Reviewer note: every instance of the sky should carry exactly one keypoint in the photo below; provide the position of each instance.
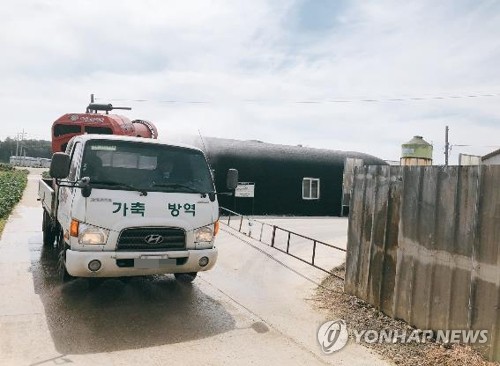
(345, 75)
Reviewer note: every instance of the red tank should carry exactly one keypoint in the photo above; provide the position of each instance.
(73, 124)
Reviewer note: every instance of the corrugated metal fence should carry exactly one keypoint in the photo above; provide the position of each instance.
(423, 246)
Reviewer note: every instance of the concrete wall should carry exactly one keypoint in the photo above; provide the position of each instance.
(423, 246)
(466, 159)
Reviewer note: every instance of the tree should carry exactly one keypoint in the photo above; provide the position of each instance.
(34, 148)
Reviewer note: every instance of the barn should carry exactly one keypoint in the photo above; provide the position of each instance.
(285, 180)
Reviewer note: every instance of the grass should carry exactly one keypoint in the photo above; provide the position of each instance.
(3, 221)
(360, 315)
(12, 185)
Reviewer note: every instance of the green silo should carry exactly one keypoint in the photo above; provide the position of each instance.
(417, 151)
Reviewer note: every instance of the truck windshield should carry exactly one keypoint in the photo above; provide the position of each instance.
(143, 166)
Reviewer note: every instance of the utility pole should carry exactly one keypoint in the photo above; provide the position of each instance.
(22, 143)
(19, 147)
(446, 146)
(22, 147)
(18, 138)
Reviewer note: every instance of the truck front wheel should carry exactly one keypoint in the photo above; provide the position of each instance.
(49, 234)
(185, 277)
(62, 273)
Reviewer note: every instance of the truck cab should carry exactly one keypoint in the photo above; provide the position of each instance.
(126, 206)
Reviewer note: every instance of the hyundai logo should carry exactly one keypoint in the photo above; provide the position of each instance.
(153, 239)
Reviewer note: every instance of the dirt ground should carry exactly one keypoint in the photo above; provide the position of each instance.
(362, 316)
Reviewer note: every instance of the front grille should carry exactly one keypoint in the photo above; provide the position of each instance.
(134, 239)
(129, 263)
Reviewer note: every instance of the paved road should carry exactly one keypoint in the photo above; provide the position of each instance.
(329, 230)
(251, 309)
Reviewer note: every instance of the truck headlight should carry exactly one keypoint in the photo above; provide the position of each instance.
(92, 235)
(204, 234)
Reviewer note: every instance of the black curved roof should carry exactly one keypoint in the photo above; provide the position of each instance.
(263, 150)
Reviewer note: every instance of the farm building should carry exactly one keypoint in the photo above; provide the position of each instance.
(29, 161)
(493, 158)
(281, 179)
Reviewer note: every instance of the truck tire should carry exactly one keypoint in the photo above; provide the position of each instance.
(62, 273)
(49, 234)
(185, 277)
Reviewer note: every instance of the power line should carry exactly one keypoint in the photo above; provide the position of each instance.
(322, 101)
(465, 145)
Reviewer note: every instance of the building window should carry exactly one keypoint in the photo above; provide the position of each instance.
(310, 189)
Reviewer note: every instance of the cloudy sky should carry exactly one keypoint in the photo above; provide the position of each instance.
(346, 75)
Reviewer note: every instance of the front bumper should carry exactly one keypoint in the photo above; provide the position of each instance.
(117, 264)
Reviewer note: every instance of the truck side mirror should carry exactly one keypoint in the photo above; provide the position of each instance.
(59, 166)
(232, 179)
(84, 184)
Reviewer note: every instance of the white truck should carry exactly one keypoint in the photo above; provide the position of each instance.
(126, 206)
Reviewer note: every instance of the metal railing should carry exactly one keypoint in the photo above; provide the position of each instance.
(271, 234)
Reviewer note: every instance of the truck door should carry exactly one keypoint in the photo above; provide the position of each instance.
(67, 194)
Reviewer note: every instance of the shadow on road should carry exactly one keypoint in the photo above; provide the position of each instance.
(104, 315)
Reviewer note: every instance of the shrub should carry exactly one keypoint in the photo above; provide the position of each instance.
(12, 185)
(6, 167)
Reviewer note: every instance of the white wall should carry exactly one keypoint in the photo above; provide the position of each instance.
(494, 160)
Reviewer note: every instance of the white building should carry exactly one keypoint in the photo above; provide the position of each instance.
(493, 158)
(29, 161)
